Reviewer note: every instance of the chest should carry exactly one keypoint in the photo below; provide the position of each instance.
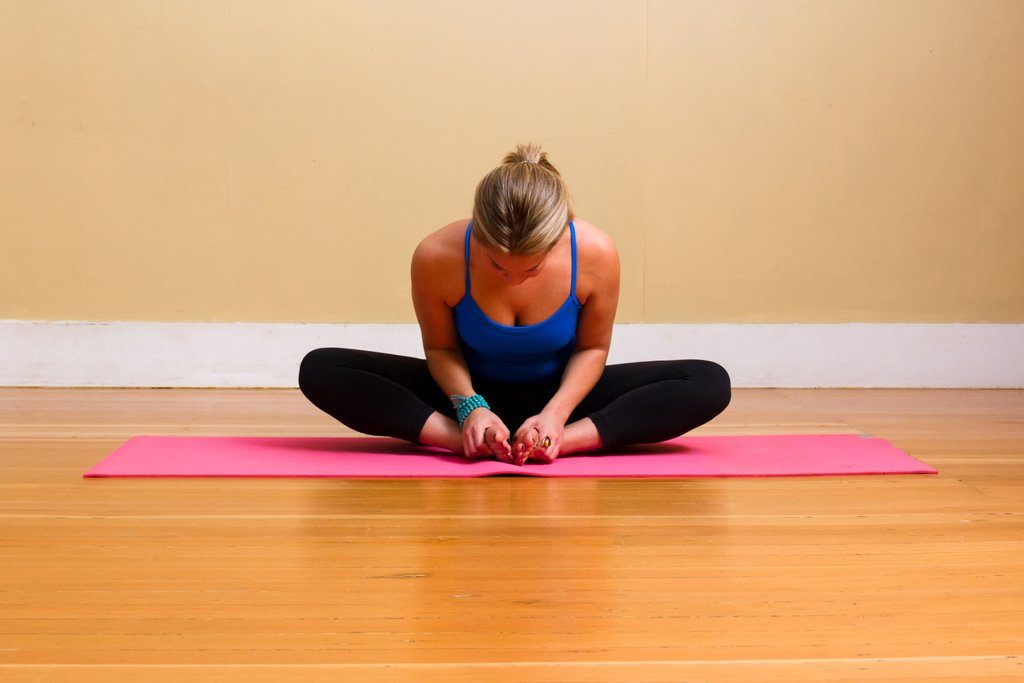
(527, 303)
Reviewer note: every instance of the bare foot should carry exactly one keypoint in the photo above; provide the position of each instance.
(521, 448)
(581, 436)
(441, 430)
(495, 446)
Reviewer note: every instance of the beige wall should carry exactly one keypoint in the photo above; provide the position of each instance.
(758, 161)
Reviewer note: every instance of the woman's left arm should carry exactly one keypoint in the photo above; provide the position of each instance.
(581, 374)
(593, 332)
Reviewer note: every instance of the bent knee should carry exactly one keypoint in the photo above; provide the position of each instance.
(316, 364)
(719, 386)
(713, 383)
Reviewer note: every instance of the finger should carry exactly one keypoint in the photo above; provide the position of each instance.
(529, 445)
(491, 440)
(469, 450)
(477, 445)
(550, 450)
(544, 453)
(501, 441)
(540, 455)
(498, 449)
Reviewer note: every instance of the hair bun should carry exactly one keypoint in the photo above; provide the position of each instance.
(529, 152)
(518, 208)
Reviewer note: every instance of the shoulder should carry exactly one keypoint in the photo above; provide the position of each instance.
(598, 259)
(597, 249)
(438, 260)
(443, 241)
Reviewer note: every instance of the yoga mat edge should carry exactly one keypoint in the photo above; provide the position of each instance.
(363, 457)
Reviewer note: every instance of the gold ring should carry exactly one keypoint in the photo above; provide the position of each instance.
(547, 441)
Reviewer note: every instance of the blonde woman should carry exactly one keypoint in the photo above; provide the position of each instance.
(515, 307)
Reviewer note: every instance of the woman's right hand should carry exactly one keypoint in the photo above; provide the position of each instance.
(477, 442)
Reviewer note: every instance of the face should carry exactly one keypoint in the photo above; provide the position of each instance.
(513, 268)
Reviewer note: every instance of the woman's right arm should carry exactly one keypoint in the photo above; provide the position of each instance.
(444, 356)
(437, 326)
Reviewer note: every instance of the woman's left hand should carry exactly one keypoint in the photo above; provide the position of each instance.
(528, 441)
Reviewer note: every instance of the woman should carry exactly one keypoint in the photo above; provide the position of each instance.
(515, 308)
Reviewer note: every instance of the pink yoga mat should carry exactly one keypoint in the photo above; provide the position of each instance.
(353, 457)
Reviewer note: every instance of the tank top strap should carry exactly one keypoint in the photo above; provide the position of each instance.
(468, 229)
(572, 234)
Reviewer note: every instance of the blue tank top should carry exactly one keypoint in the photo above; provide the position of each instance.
(520, 353)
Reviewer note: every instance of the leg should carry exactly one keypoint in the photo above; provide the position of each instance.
(648, 402)
(379, 393)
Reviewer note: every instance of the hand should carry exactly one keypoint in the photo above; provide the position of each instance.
(528, 443)
(485, 435)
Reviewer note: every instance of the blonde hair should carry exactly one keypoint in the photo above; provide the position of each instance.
(522, 206)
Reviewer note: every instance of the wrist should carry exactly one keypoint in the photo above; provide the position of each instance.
(464, 405)
(472, 415)
(557, 412)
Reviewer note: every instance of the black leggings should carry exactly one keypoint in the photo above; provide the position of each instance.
(632, 403)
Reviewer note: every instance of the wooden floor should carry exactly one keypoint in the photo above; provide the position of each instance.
(509, 579)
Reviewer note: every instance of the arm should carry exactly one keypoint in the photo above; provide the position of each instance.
(581, 374)
(437, 327)
(593, 333)
(448, 368)
(444, 356)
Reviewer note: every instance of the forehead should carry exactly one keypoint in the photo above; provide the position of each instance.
(515, 260)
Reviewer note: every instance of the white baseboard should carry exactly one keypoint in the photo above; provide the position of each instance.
(129, 354)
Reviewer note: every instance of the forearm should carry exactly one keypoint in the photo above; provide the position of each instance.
(449, 370)
(581, 374)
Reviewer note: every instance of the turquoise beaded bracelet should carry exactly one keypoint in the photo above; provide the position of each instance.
(470, 404)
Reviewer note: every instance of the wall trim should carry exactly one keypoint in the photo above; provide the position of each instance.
(154, 354)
